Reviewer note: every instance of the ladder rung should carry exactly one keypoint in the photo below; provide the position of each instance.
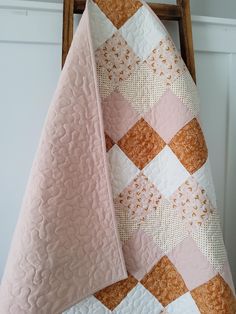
(163, 11)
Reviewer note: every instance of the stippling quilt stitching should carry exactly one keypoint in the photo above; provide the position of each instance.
(120, 213)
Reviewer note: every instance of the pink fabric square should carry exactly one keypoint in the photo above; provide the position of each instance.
(141, 253)
(118, 115)
(191, 263)
(168, 116)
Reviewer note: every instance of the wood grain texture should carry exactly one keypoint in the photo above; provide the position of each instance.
(67, 33)
(186, 37)
(179, 12)
(164, 11)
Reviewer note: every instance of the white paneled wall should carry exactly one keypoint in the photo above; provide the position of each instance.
(200, 7)
(30, 57)
(30, 52)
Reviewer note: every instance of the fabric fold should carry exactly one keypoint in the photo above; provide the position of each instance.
(66, 244)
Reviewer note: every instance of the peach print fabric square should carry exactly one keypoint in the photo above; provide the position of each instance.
(117, 58)
(166, 62)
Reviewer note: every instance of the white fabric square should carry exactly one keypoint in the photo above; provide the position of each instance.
(122, 169)
(143, 32)
(183, 305)
(89, 305)
(139, 301)
(214, 250)
(185, 88)
(142, 89)
(204, 177)
(125, 224)
(106, 86)
(105, 30)
(165, 227)
(166, 171)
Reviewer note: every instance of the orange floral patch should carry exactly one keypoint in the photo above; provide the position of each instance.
(112, 295)
(190, 147)
(118, 11)
(215, 296)
(141, 143)
(164, 282)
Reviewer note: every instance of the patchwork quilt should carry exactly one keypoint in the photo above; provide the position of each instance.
(119, 213)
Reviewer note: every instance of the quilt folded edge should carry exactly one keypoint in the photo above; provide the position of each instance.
(65, 246)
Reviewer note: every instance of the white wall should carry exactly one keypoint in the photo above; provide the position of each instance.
(217, 8)
(30, 53)
(30, 57)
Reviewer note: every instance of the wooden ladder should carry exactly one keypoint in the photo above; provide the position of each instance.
(173, 12)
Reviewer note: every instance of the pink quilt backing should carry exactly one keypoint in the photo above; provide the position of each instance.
(120, 212)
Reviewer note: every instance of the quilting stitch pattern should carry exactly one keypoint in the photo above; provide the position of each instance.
(120, 192)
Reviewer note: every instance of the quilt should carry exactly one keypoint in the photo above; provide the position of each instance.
(119, 213)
